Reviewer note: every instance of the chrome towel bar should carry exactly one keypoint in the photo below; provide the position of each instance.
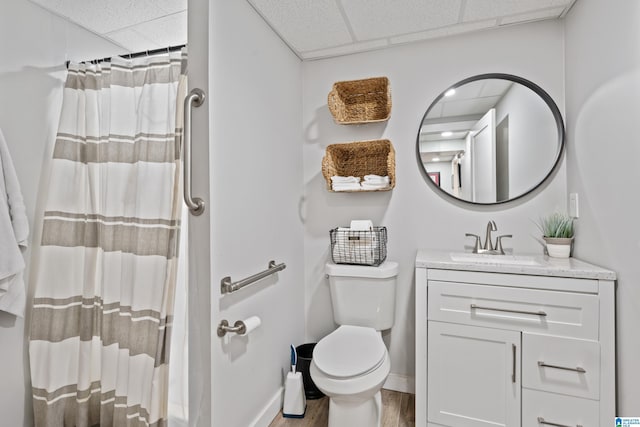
(227, 286)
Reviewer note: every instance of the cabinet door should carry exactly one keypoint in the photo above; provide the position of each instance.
(474, 376)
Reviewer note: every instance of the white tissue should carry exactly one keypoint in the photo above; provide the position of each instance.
(361, 225)
(250, 324)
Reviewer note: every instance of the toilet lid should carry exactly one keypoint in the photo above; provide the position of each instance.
(349, 351)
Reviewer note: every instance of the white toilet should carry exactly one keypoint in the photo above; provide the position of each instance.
(351, 364)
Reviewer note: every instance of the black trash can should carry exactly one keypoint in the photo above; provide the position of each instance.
(305, 353)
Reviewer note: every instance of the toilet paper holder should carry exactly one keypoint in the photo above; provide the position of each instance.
(240, 327)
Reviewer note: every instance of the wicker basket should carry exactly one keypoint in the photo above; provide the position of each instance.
(360, 101)
(359, 159)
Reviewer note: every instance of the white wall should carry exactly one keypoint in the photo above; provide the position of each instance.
(603, 106)
(417, 216)
(256, 190)
(533, 137)
(35, 45)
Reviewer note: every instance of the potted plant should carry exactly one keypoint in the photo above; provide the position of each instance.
(557, 231)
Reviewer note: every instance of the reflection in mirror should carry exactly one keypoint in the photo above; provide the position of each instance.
(491, 138)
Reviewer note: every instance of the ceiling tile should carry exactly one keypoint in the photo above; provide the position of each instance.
(477, 9)
(166, 31)
(446, 31)
(305, 24)
(132, 41)
(532, 16)
(467, 107)
(372, 19)
(493, 87)
(172, 6)
(344, 50)
(104, 16)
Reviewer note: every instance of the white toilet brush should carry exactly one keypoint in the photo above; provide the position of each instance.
(295, 402)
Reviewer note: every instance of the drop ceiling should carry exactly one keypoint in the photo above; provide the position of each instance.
(133, 25)
(322, 28)
(311, 28)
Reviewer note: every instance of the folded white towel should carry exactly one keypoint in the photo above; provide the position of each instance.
(344, 179)
(367, 186)
(376, 179)
(14, 232)
(346, 187)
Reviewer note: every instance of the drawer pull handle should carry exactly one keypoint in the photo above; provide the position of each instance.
(513, 369)
(549, 423)
(564, 368)
(535, 313)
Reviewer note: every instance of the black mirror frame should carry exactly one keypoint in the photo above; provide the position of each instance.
(516, 79)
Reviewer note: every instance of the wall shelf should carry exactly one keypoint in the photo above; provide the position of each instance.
(360, 101)
(375, 157)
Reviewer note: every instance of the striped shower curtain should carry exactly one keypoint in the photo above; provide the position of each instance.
(101, 317)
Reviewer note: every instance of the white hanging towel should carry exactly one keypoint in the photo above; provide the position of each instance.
(14, 232)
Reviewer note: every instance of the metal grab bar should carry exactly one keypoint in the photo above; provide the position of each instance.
(194, 99)
(227, 286)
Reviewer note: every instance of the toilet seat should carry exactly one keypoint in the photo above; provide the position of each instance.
(350, 351)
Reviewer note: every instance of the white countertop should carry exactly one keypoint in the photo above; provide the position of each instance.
(544, 265)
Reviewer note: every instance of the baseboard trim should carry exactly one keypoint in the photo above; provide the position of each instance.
(270, 411)
(402, 383)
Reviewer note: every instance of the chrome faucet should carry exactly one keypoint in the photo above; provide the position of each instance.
(491, 226)
(488, 247)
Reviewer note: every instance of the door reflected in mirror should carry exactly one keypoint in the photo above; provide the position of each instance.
(491, 138)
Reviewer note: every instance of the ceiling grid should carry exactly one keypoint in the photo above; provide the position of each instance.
(312, 29)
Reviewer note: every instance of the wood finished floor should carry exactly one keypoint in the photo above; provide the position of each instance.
(397, 411)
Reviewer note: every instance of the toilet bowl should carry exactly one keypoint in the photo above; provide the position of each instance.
(350, 365)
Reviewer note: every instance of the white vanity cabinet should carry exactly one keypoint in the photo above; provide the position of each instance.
(514, 345)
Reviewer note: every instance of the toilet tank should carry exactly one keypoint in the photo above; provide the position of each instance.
(363, 295)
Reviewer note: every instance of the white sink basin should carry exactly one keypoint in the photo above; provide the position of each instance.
(493, 259)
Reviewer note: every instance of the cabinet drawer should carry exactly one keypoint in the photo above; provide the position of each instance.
(539, 408)
(561, 365)
(529, 310)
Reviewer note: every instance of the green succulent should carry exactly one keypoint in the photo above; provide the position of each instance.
(556, 225)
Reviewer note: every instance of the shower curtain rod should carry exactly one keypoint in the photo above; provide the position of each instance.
(137, 54)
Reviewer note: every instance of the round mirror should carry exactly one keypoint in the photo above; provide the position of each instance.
(490, 139)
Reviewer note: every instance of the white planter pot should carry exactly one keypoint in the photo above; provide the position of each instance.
(558, 247)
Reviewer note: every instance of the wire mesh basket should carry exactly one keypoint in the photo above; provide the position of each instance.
(358, 247)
